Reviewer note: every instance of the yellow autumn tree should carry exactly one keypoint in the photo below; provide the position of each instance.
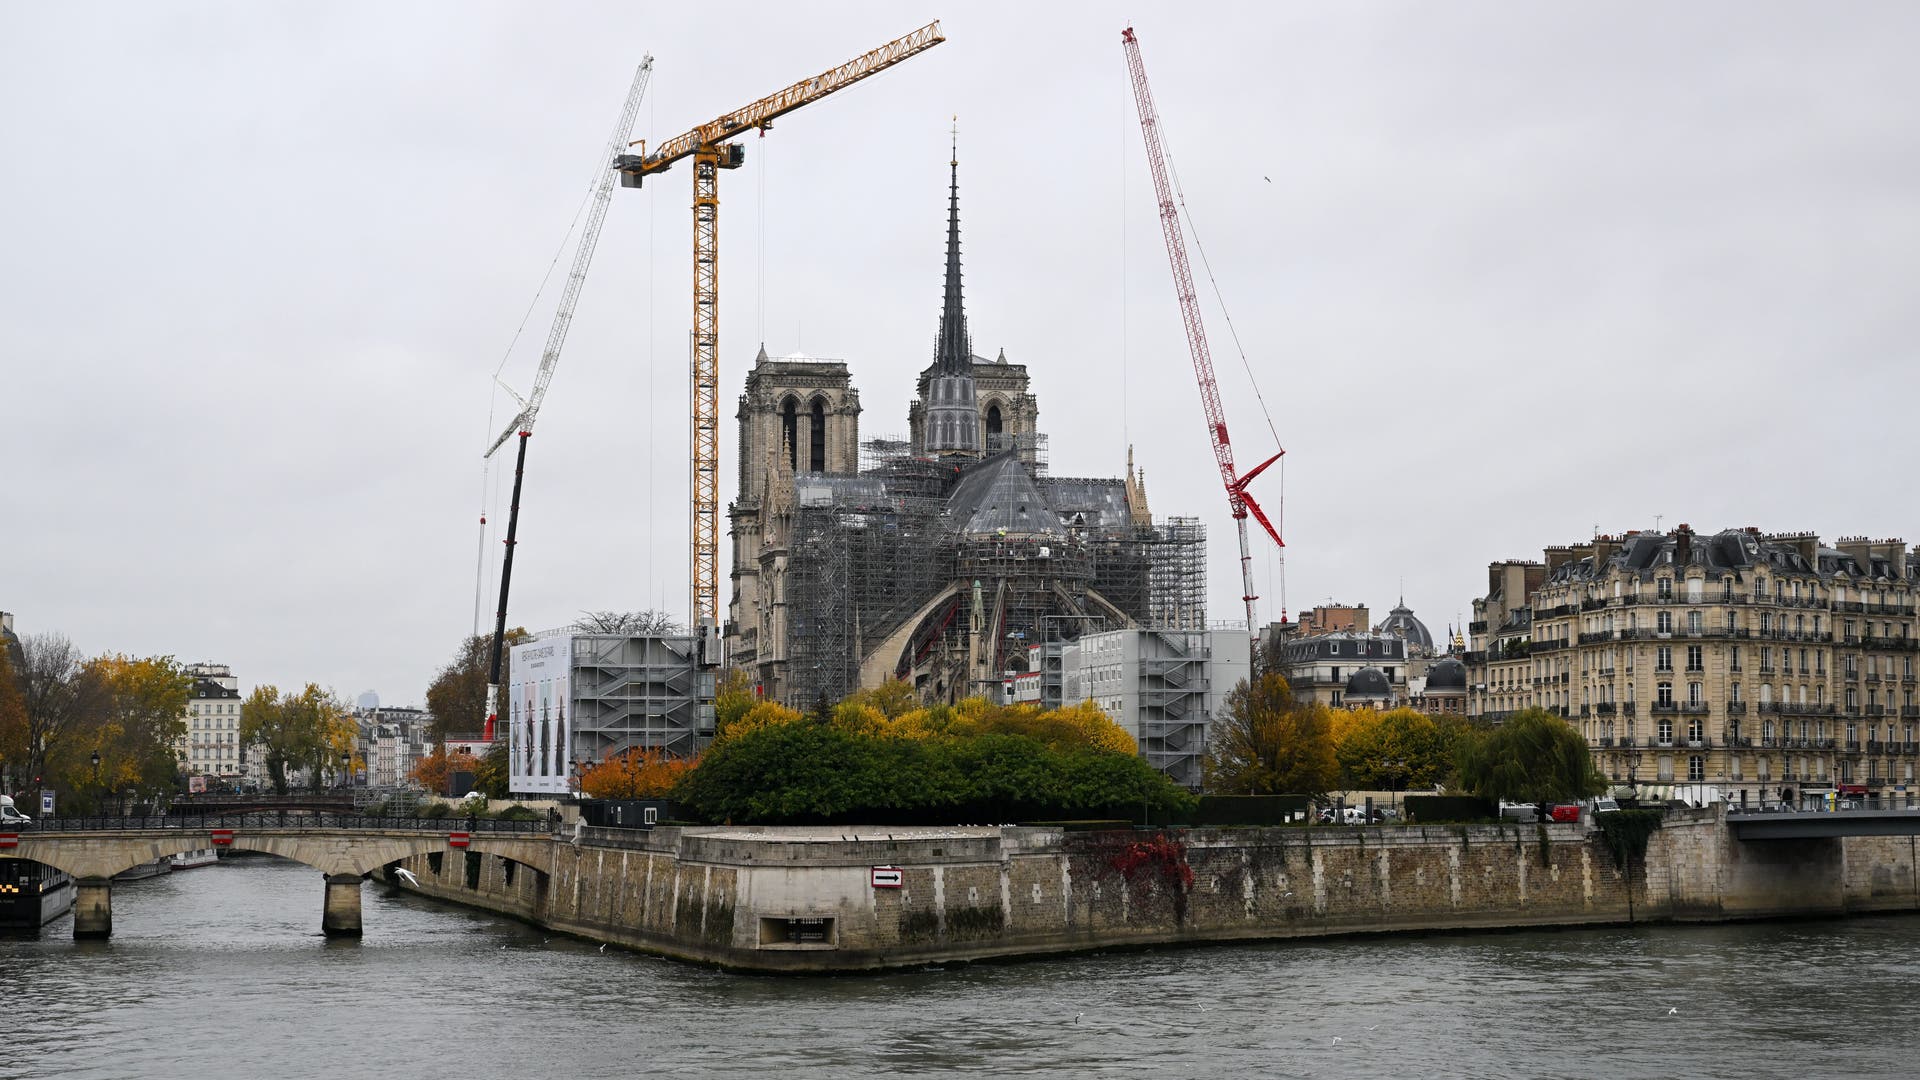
(765, 714)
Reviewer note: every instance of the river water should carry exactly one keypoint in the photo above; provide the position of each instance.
(221, 972)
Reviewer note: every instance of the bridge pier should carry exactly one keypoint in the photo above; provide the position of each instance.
(340, 918)
(93, 908)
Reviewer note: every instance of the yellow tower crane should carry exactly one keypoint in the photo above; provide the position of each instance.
(707, 145)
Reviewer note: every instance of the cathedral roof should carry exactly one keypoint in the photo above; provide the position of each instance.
(998, 496)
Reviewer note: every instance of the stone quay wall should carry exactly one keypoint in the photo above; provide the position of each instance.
(806, 900)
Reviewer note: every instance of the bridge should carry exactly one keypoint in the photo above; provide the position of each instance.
(340, 802)
(345, 848)
(1817, 824)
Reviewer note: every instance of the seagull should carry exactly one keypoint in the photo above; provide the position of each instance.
(406, 875)
(603, 947)
(1268, 179)
(1336, 1039)
(1077, 1016)
(1370, 1027)
(1671, 1010)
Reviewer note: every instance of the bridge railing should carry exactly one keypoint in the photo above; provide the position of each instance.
(288, 819)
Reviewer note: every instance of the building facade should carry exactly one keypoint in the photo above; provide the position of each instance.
(1736, 665)
(1346, 669)
(1164, 687)
(210, 748)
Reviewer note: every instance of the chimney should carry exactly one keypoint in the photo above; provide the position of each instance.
(1603, 550)
(1859, 548)
(1683, 545)
(1558, 557)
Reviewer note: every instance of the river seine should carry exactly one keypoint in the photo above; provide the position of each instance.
(222, 972)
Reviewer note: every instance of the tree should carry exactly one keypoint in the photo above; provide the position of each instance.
(1397, 749)
(457, 697)
(1268, 743)
(490, 777)
(57, 695)
(656, 623)
(309, 730)
(140, 715)
(13, 722)
(1533, 757)
(733, 698)
(639, 773)
(799, 771)
(434, 771)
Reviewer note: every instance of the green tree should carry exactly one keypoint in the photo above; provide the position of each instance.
(1269, 743)
(1399, 749)
(1532, 757)
(457, 697)
(794, 772)
(490, 777)
(733, 698)
(309, 730)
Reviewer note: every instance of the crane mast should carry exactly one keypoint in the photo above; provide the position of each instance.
(549, 359)
(1238, 500)
(708, 147)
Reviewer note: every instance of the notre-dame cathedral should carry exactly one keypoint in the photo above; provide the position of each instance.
(942, 560)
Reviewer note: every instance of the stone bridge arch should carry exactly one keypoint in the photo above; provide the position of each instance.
(345, 857)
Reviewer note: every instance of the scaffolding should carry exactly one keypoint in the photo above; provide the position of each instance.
(1178, 576)
(870, 553)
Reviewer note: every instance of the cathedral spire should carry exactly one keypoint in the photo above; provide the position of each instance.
(953, 353)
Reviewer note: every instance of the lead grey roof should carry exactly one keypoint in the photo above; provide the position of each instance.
(996, 495)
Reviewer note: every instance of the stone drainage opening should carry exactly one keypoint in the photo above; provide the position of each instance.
(804, 932)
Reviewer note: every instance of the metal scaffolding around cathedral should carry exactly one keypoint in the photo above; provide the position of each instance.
(939, 558)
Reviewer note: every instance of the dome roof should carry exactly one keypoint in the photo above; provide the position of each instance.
(1369, 682)
(1402, 624)
(1448, 674)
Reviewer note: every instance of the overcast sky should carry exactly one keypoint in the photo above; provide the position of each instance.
(1503, 273)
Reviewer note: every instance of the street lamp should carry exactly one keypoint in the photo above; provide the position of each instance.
(99, 795)
(346, 767)
(1633, 772)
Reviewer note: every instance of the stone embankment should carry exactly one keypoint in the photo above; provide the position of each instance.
(823, 899)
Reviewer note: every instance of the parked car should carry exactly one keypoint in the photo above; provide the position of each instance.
(1525, 811)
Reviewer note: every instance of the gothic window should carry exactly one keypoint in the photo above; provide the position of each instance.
(789, 430)
(817, 439)
(993, 422)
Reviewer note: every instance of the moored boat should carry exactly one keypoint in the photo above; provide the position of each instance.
(32, 894)
(187, 860)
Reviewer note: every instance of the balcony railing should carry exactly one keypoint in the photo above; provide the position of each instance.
(1736, 708)
(1696, 707)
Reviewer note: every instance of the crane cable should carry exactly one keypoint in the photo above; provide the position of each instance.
(1280, 510)
(493, 402)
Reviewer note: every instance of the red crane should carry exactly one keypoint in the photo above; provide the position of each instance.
(1238, 500)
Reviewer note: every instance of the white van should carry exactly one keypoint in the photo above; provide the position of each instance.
(10, 817)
